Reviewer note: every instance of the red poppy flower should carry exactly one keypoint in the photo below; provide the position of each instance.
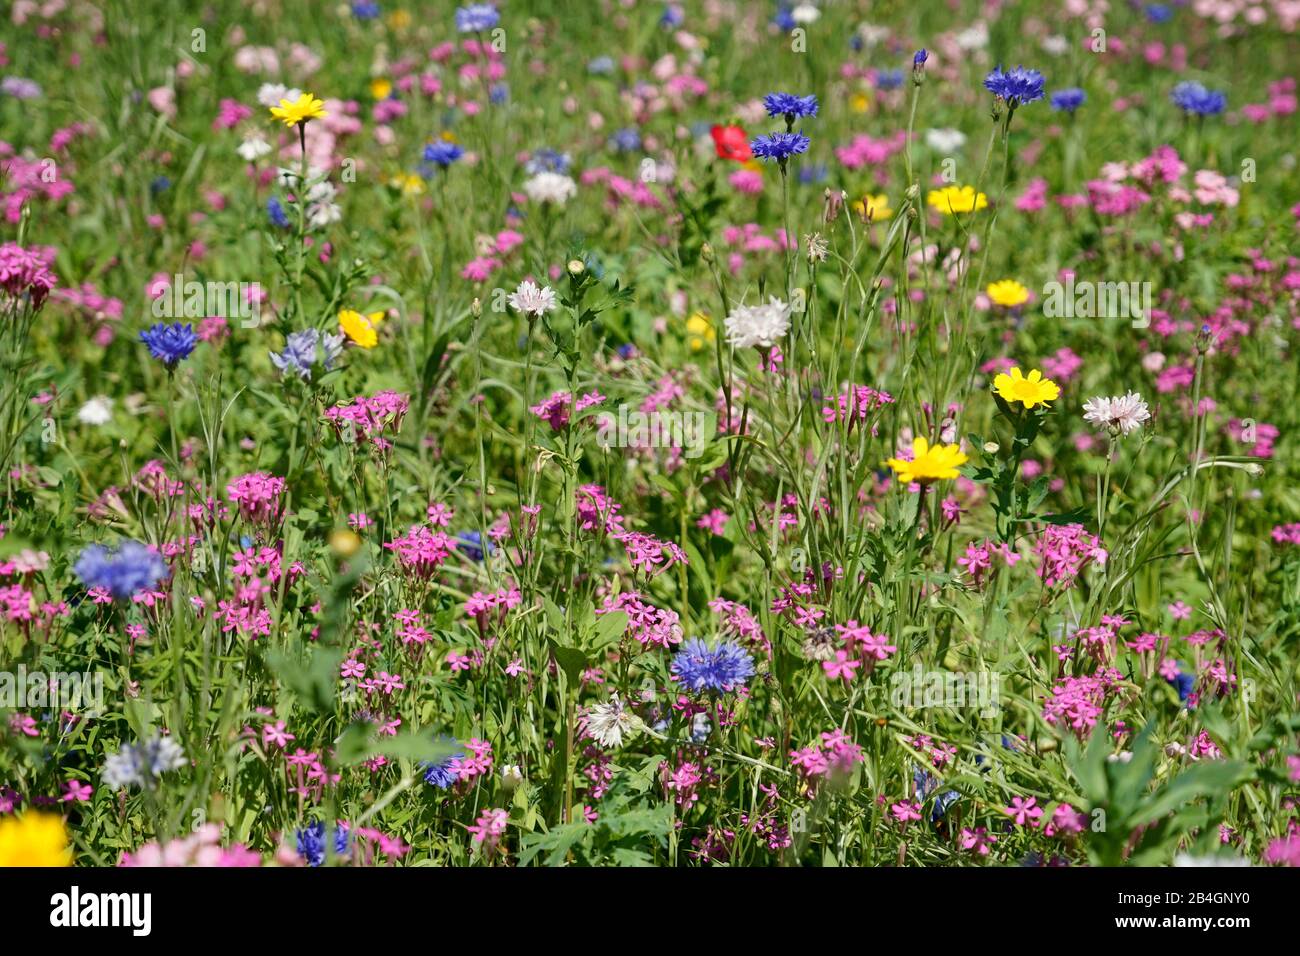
(731, 143)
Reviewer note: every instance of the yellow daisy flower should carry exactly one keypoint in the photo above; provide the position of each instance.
(1031, 391)
(860, 103)
(380, 87)
(873, 208)
(1007, 293)
(34, 839)
(929, 463)
(409, 183)
(361, 328)
(305, 107)
(700, 331)
(954, 199)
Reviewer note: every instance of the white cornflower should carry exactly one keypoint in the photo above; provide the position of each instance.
(143, 763)
(321, 214)
(945, 140)
(973, 38)
(805, 13)
(531, 299)
(253, 149)
(97, 411)
(1056, 44)
(759, 326)
(270, 94)
(1120, 413)
(609, 722)
(550, 187)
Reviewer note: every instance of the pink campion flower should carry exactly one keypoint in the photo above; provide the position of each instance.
(1065, 820)
(75, 791)
(557, 409)
(1023, 811)
(489, 827)
(1284, 851)
(230, 113)
(1064, 550)
(275, 735)
(905, 811)
(715, 522)
(366, 419)
(26, 273)
(440, 515)
(978, 840)
(842, 667)
(1179, 611)
(855, 404)
(421, 551)
(650, 554)
(258, 496)
(649, 625)
(597, 511)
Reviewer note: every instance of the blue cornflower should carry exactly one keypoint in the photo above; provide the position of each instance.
(547, 160)
(700, 667)
(779, 146)
(276, 212)
(1184, 683)
(784, 19)
(445, 772)
(365, 9)
(627, 351)
(790, 106)
(170, 344)
(477, 17)
(1068, 100)
(1194, 99)
(311, 842)
(672, 17)
(889, 79)
(471, 543)
(1016, 86)
(919, 58)
(601, 65)
(122, 571)
(814, 173)
(442, 153)
(499, 93)
(300, 352)
(1159, 13)
(626, 140)
(141, 764)
(160, 185)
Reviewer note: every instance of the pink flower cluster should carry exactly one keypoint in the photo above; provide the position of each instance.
(856, 402)
(978, 559)
(422, 550)
(258, 496)
(651, 554)
(26, 272)
(368, 418)
(833, 758)
(557, 409)
(1063, 550)
(1077, 702)
(649, 625)
(201, 848)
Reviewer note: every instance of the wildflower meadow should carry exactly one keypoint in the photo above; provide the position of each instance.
(704, 434)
